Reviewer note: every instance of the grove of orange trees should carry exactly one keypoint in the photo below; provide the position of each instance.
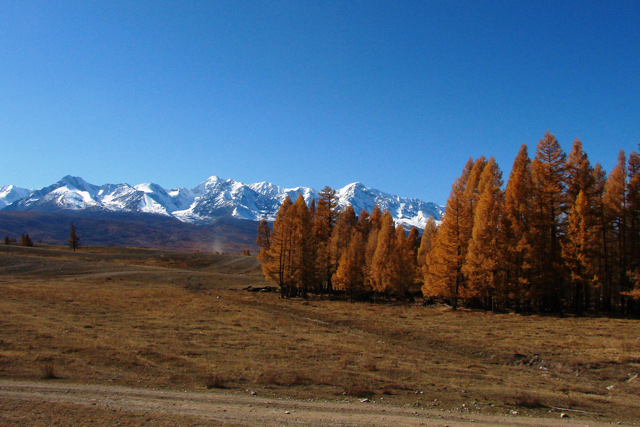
(560, 235)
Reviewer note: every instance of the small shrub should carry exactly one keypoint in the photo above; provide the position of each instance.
(387, 389)
(371, 366)
(215, 381)
(284, 379)
(357, 390)
(526, 400)
(48, 370)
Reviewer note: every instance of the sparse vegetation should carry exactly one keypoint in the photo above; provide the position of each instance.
(215, 381)
(526, 400)
(74, 240)
(25, 240)
(284, 378)
(48, 369)
(358, 390)
(123, 316)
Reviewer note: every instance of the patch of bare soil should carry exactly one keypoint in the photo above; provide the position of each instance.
(35, 403)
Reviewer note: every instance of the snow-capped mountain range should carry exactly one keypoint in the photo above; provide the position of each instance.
(211, 200)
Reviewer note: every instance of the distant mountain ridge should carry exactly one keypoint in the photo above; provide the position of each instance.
(10, 194)
(212, 200)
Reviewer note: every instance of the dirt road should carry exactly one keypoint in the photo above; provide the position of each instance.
(240, 408)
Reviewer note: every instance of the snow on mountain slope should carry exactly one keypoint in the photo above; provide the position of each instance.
(70, 192)
(216, 197)
(405, 211)
(11, 193)
(212, 199)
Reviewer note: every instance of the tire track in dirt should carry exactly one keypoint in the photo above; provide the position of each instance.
(245, 409)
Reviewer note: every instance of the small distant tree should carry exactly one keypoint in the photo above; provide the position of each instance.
(74, 240)
(25, 240)
(6, 240)
(264, 235)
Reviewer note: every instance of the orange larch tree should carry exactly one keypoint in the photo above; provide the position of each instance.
(615, 211)
(518, 223)
(341, 234)
(385, 266)
(548, 171)
(633, 240)
(580, 248)
(277, 260)
(443, 276)
(580, 179)
(484, 263)
(601, 287)
(375, 221)
(302, 247)
(322, 227)
(349, 276)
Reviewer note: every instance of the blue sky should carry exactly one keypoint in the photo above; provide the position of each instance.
(397, 95)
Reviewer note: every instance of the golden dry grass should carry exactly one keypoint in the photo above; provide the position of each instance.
(182, 321)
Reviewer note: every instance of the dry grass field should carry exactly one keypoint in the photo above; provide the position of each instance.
(183, 322)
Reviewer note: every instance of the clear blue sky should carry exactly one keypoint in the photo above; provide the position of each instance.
(394, 94)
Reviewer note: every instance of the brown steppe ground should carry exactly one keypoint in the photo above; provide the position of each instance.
(140, 319)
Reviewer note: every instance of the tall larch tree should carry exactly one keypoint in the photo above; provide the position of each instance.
(579, 173)
(615, 210)
(405, 282)
(341, 234)
(412, 246)
(322, 228)
(518, 220)
(443, 277)
(470, 199)
(579, 249)
(385, 267)
(350, 274)
(548, 170)
(484, 261)
(277, 261)
(330, 197)
(426, 243)
(302, 247)
(633, 238)
(580, 179)
(375, 222)
(602, 285)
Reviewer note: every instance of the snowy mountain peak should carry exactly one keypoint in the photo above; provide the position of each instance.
(265, 188)
(149, 188)
(77, 183)
(210, 184)
(352, 189)
(11, 193)
(209, 201)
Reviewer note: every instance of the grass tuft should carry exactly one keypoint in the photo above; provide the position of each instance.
(527, 400)
(212, 381)
(48, 370)
(285, 379)
(358, 390)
